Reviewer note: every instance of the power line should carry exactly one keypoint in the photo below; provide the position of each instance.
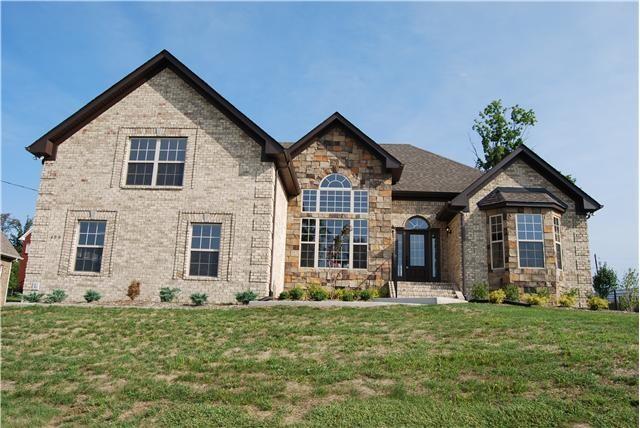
(19, 185)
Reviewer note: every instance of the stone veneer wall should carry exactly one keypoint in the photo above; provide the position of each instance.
(336, 151)
(574, 239)
(225, 181)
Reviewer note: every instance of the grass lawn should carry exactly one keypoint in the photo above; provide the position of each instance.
(459, 365)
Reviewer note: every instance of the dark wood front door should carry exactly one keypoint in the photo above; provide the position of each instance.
(420, 256)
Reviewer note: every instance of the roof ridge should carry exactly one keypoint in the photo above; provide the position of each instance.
(432, 153)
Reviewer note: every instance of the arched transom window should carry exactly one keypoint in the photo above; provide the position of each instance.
(416, 223)
(335, 196)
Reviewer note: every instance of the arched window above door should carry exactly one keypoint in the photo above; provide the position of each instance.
(416, 223)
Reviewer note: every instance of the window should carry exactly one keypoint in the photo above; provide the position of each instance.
(360, 201)
(334, 243)
(530, 240)
(205, 249)
(335, 196)
(90, 246)
(309, 200)
(497, 242)
(556, 238)
(156, 162)
(416, 223)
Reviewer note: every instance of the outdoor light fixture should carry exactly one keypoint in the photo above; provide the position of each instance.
(448, 229)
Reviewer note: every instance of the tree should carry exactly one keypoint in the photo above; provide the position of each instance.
(500, 136)
(629, 299)
(14, 229)
(605, 281)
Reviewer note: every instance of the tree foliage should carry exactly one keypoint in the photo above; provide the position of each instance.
(14, 229)
(605, 281)
(501, 131)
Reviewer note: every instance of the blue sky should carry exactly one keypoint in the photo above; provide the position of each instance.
(414, 73)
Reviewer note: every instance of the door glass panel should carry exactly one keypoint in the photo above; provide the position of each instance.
(399, 254)
(416, 250)
(434, 259)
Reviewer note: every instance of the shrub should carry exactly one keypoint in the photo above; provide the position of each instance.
(346, 295)
(198, 299)
(596, 303)
(629, 300)
(33, 297)
(168, 294)
(284, 295)
(317, 293)
(480, 291)
(605, 281)
(569, 299)
(296, 293)
(134, 289)
(92, 296)
(512, 293)
(56, 296)
(497, 296)
(245, 297)
(365, 295)
(536, 299)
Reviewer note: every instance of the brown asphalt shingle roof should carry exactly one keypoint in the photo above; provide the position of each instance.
(515, 196)
(6, 249)
(427, 172)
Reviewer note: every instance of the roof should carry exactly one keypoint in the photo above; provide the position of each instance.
(6, 249)
(521, 197)
(391, 163)
(585, 203)
(24, 236)
(46, 146)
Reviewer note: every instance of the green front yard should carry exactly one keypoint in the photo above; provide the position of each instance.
(459, 365)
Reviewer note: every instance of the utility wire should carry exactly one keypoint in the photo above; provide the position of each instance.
(19, 185)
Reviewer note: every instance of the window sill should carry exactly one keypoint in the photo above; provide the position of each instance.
(152, 187)
(82, 273)
(202, 278)
(333, 269)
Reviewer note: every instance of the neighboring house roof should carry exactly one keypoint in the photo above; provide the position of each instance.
(27, 233)
(391, 163)
(46, 146)
(585, 203)
(6, 249)
(521, 197)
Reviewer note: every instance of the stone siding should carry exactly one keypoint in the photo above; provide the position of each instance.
(336, 151)
(147, 229)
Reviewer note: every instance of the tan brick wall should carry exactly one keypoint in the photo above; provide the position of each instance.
(336, 151)
(576, 271)
(225, 180)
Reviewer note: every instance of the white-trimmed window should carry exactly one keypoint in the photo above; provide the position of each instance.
(335, 196)
(204, 250)
(156, 162)
(556, 239)
(530, 240)
(334, 243)
(90, 245)
(497, 241)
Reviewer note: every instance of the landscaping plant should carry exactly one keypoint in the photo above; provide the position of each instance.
(512, 293)
(480, 291)
(365, 295)
(198, 299)
(569, 299)
(629, 300)
(168, 294)
(92, 296)
(317, 293)
(596, 303)
(284, 295)
(134, 289)
(605, 281)
(497, 296)
(56, 296)
(33, 297)
(346, 295)
(245, 297)
(296, 293)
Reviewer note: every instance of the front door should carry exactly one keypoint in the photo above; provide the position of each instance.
(416, 262)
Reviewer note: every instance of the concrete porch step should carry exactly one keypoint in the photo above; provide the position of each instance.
(426, 289)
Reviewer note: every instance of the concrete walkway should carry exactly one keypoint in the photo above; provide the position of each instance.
(360, 304)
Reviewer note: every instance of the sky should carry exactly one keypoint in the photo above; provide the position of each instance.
(415, 73)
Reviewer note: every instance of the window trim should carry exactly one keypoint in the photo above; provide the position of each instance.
(491, 241)
(155, 162)
(518, 240)
(558, 242)
(352, 197)
(76, 245)
(316, 242)
(189, 250)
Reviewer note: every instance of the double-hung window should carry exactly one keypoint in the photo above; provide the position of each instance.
(497, 241)
(335, 196)
(334, 243)
(530, 240)
(204, 252)
(90, 245)
(156, 162)
(558, 244)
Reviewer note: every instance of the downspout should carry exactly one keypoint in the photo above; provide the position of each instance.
(464, 288)
(273, 227)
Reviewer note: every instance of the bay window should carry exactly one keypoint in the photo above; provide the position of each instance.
(556, 239)
(530, 240)
(497, 241)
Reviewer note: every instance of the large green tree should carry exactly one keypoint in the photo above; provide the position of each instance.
(501, 131)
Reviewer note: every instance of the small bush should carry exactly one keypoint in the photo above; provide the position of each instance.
(480, 291)
(569, 299)
(92, 296)
(56, 296)
(284, 295)
(512, 293)
(296, 293)
(536, 299)
(33, 297)
(198, 299)
(245, 297)
(365, 295)
(543, 292)
(346, 295)
(134, 289)
(317, 293)
(168, 294)
(596, 303)
(497, 296)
